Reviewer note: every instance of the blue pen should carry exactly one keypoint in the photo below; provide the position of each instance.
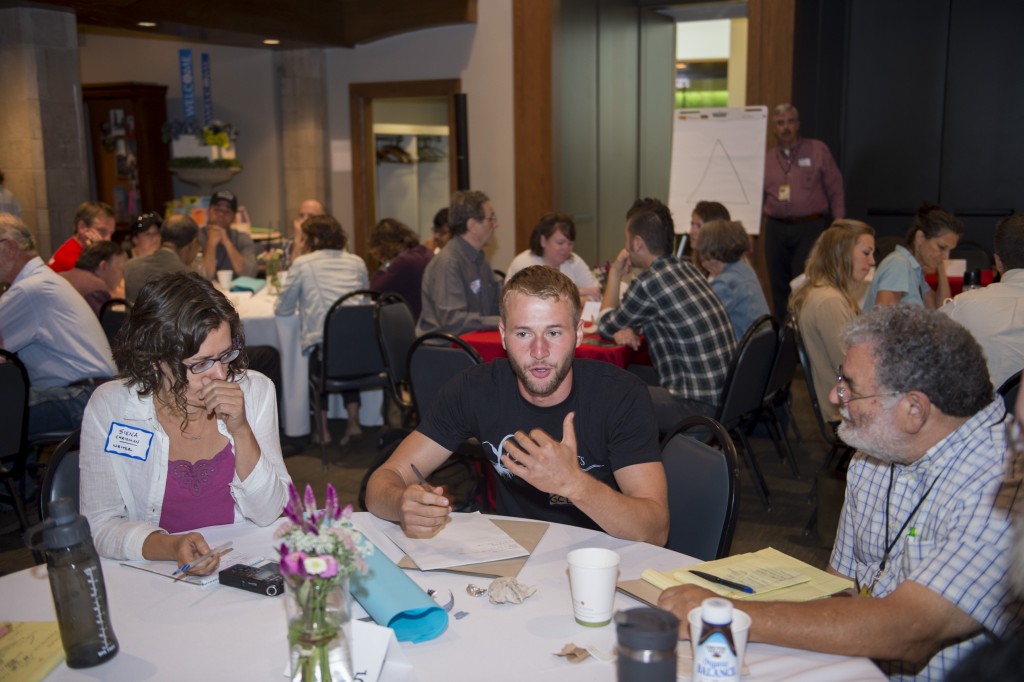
(198, 560)
(722, 581)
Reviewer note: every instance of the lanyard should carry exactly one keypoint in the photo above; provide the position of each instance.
(786, 167)
(890, 544)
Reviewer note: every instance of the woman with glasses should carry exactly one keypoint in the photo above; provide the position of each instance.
(186, 437)
(839, 263)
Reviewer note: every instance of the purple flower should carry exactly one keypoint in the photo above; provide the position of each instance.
(331, 507)
(294, 564)
(310, 500)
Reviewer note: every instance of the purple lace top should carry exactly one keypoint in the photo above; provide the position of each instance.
(198, 494)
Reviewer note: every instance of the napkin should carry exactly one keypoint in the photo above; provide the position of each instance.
(392, 599)
(247, 284)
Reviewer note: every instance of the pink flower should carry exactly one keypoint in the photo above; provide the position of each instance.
(294, 564)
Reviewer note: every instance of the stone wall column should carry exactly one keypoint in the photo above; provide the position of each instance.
(43, 149)
(302, 97)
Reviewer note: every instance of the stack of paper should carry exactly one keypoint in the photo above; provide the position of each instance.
(774, 576)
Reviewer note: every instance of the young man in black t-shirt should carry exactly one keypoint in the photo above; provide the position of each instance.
(573, 441)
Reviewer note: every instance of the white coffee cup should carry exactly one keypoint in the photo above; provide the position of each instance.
(592, 575)
(224, 278)
(740, 630)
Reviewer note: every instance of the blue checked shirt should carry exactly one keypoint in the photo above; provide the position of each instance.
(688, 331)
(962, 533)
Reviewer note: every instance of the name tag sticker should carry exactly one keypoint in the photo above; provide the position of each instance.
(805, 162)
(128, 441)
(784, 192)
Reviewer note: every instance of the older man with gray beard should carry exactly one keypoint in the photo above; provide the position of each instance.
(925, 531)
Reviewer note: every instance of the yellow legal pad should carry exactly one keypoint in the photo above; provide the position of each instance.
(773, 575)
(29, 651)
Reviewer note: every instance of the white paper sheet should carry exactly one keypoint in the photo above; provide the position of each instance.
(467, 539)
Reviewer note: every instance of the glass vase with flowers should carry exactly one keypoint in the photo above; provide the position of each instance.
(320, 549)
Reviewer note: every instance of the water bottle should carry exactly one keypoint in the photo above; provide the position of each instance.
(972, 280)
(716, 660)
(647, 645)
(76, 581)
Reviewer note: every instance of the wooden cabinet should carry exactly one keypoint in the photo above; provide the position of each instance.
(129, 158)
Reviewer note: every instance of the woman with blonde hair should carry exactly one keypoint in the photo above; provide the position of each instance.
(841, 259)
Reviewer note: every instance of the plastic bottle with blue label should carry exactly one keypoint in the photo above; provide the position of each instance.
(716, 659)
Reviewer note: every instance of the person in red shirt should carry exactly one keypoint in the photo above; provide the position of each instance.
(803, 192)
(94, 222)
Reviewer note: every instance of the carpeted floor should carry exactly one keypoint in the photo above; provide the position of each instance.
(781, 528)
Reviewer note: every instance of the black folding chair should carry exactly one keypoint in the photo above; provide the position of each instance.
(1009, 390)
(777, 396)
(744, 390)
(396, 332)
(348, 358)
(703, 482)
(14, 447)
(113, 314)
(62, 475)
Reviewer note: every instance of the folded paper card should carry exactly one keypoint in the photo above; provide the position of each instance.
(247, 284)
(393, 599)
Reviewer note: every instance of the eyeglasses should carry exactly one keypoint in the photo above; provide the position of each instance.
(492, 219)
(846, 395)
(224, 358)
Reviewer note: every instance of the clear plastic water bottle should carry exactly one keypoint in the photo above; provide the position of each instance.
(716, 659)
(76, 581)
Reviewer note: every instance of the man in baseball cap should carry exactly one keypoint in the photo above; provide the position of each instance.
(225, 248)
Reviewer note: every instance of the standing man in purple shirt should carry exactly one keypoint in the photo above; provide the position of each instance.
(803, 193)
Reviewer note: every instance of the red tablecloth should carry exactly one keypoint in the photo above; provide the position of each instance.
(956, 284)
(488, 344)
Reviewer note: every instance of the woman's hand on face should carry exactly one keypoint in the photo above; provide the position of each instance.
(225, 400)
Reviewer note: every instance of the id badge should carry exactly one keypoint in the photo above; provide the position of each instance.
(784, 192)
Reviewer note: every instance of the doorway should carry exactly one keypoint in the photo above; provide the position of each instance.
(404, 152)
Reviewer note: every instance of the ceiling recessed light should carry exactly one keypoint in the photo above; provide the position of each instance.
(271, 41)
(147, 24)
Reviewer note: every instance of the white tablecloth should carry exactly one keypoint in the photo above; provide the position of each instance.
(264, 328)
(174, 631)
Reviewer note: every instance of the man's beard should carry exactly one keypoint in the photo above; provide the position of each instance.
(875, 437)
(554, 380)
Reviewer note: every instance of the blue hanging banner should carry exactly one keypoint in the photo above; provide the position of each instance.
(188, 86)
(204, 62)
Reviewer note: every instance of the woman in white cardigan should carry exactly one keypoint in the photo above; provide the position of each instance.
(323, 272)
(186, 437)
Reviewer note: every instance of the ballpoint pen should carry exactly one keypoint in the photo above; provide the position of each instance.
(722, 581)
(198, 560)
(421, 478)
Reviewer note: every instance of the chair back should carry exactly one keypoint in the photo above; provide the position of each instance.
(61, 478)
(784, 366)
(436, 357)
(396, 332)
(350, 348)
(113, 314)
(977, 256)
(827, 432)
(703, 481)
(745, 383)
(13, 408)
(1009, 391)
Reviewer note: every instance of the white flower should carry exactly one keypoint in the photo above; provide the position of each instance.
(314, 565)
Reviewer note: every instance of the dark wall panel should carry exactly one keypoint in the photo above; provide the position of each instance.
(895, 92)
(983, 136)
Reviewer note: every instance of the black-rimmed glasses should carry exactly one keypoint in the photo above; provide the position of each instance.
(224, 358)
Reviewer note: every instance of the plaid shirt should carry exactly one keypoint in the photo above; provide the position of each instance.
(688, 331)
(961, 548)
